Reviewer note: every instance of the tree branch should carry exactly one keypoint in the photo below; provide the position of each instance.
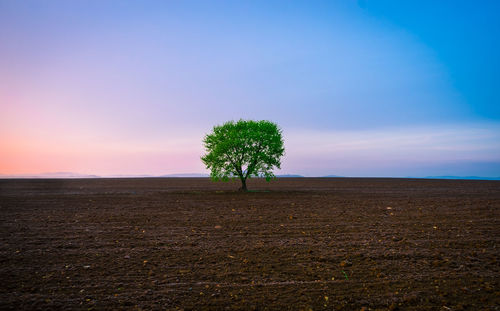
(254, 163)
(238, 169)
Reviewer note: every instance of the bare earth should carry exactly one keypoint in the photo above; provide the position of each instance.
(298, 244)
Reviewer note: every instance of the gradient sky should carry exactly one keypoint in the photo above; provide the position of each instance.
(360, 88)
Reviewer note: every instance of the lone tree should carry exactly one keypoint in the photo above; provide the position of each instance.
(243, 149)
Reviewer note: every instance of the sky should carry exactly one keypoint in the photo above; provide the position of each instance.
(359, 88)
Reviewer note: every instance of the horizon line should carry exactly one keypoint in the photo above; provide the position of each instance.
(71, 175)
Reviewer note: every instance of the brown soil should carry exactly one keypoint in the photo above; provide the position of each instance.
(350, 244)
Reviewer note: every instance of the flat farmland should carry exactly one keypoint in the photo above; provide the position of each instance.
(291, 244)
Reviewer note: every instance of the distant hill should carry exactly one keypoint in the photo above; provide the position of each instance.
(463, 177)
(328, 176)
(127, 176)
(207, 175)
(186, 175)
(49, 175)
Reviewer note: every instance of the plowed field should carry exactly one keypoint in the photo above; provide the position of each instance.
(291, 244)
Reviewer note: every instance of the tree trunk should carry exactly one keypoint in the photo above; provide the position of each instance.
(243, 185)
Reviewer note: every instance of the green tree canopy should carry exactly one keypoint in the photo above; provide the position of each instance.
(243, 149)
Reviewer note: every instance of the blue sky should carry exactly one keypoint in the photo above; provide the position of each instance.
(360, 88)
